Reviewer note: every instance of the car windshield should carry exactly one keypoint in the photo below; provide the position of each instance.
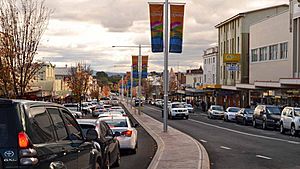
(117, 123)
(217, 108)
(274, 110)
(297, 111)
(178, 106)
(234, 109)
(249, 111)
(188, 106)
(73, 108)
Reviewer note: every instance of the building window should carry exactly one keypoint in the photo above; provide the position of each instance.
(263, 54)
(213, 78)
(254, 53)
(238, 44)
(283, 50)
(273, 52)
(204, 78)
(213, 60)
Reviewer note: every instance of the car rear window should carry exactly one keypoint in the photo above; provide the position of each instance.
(117, 123)
(8, 125)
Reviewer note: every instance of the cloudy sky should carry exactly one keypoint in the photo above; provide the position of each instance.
(85, 31)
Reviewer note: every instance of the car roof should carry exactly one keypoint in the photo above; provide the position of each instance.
(29, 102)
(113, 118)
(87, 121)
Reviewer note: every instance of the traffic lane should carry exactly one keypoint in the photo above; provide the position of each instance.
(238, 127)
(146, 150)
(232, 150)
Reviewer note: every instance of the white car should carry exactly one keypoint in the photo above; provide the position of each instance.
(119, 110)
(230, 113)
(215, 111)
(178, 109)
(116, 108)
(110, 114)
(121, 124)
(190, 108)
(290, 120)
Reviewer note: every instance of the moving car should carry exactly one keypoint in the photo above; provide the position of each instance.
(266, 116)
(244, 116)
(229, 114)
(107, 141)
(215, 111)
(177, 109)
(110, 113)
(123, 126)
(290, 120)
(43, 135)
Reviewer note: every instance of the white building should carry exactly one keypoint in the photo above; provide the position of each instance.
(194, 78)
(270, 54)
(210, 66)
(233, 40)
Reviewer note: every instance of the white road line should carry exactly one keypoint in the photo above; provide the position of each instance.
(203, 141)
(264, 157)
(247, 134)
(226, 148)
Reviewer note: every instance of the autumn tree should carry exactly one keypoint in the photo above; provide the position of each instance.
(22, 24)
(79, 80)
(106, 91)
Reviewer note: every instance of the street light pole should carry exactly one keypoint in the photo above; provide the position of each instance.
(166, 72)
(122, 90)
(140, 77)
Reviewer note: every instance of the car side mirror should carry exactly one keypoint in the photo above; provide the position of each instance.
(91, 135)
(117, 134)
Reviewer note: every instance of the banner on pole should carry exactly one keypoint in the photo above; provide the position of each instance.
(176, 28)
(156, 24)
(144, 66)
(135, 69)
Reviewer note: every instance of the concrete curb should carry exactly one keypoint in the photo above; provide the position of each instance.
(203, 163)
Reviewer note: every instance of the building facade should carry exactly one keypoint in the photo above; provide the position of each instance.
(194, 78)
(233, 42)
(210, 66)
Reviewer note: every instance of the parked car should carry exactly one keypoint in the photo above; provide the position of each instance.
(158, 102)
(229, 114)
(119, 110)
(108, 143)
(136, 102)
(244, 116)
(110, 114)
(114, 101)
(98, 111)
(290, 120)
(215, 111)
(126, 129)
(266, 116)
(177, 109)
(43, 135)
(189, 107)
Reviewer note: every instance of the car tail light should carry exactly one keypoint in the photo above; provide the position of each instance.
(127, 133)
(23, 140)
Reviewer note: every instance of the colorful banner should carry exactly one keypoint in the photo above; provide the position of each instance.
(156, 23)
(144, 66)
(135, 67)
(176, 28)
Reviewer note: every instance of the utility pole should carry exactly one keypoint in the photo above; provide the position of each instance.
(166, 72)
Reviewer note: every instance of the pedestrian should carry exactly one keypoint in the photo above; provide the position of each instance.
(203, 105)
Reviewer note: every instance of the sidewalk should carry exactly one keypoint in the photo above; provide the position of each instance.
(176, 150)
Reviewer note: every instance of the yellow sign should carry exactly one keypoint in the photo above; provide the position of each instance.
(231, 58)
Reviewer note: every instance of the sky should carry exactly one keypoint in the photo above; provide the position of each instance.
(84, 31)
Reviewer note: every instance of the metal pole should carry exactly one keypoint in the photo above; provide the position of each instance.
(166, 73)
(131, 86)
(140, 77)
(122, 90)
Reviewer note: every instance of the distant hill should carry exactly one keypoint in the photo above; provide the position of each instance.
(109, 73)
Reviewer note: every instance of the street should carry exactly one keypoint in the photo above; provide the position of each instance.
(235, 146)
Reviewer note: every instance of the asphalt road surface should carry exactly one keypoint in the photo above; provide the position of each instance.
(232, 146)
(146, 151)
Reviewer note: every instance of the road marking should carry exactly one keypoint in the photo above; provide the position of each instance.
(264, 157)
(226, 148)
(247, 134)
(203, 141)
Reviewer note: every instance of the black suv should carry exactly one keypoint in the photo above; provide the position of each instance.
(266, 116)
(43, 135)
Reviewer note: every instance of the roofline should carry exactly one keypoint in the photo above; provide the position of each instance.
(243, 14)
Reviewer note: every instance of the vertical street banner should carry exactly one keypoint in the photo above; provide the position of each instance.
(156, 24)
(176, 28)
(135, 67)
(144, 66)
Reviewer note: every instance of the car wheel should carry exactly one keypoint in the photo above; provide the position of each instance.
(187, 117)
(254, 123)
(293, 130)
(281, 128)
(264, 125)
(118, 160)
(225, 118)
(244, 122)
(135, 148)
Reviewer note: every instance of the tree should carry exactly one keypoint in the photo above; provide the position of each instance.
(106, 91)
(22, 24)
(102, 78)
(172, 82)
(79, 80)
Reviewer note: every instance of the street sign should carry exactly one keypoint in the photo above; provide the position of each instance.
(232, 68)
(231, 58)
